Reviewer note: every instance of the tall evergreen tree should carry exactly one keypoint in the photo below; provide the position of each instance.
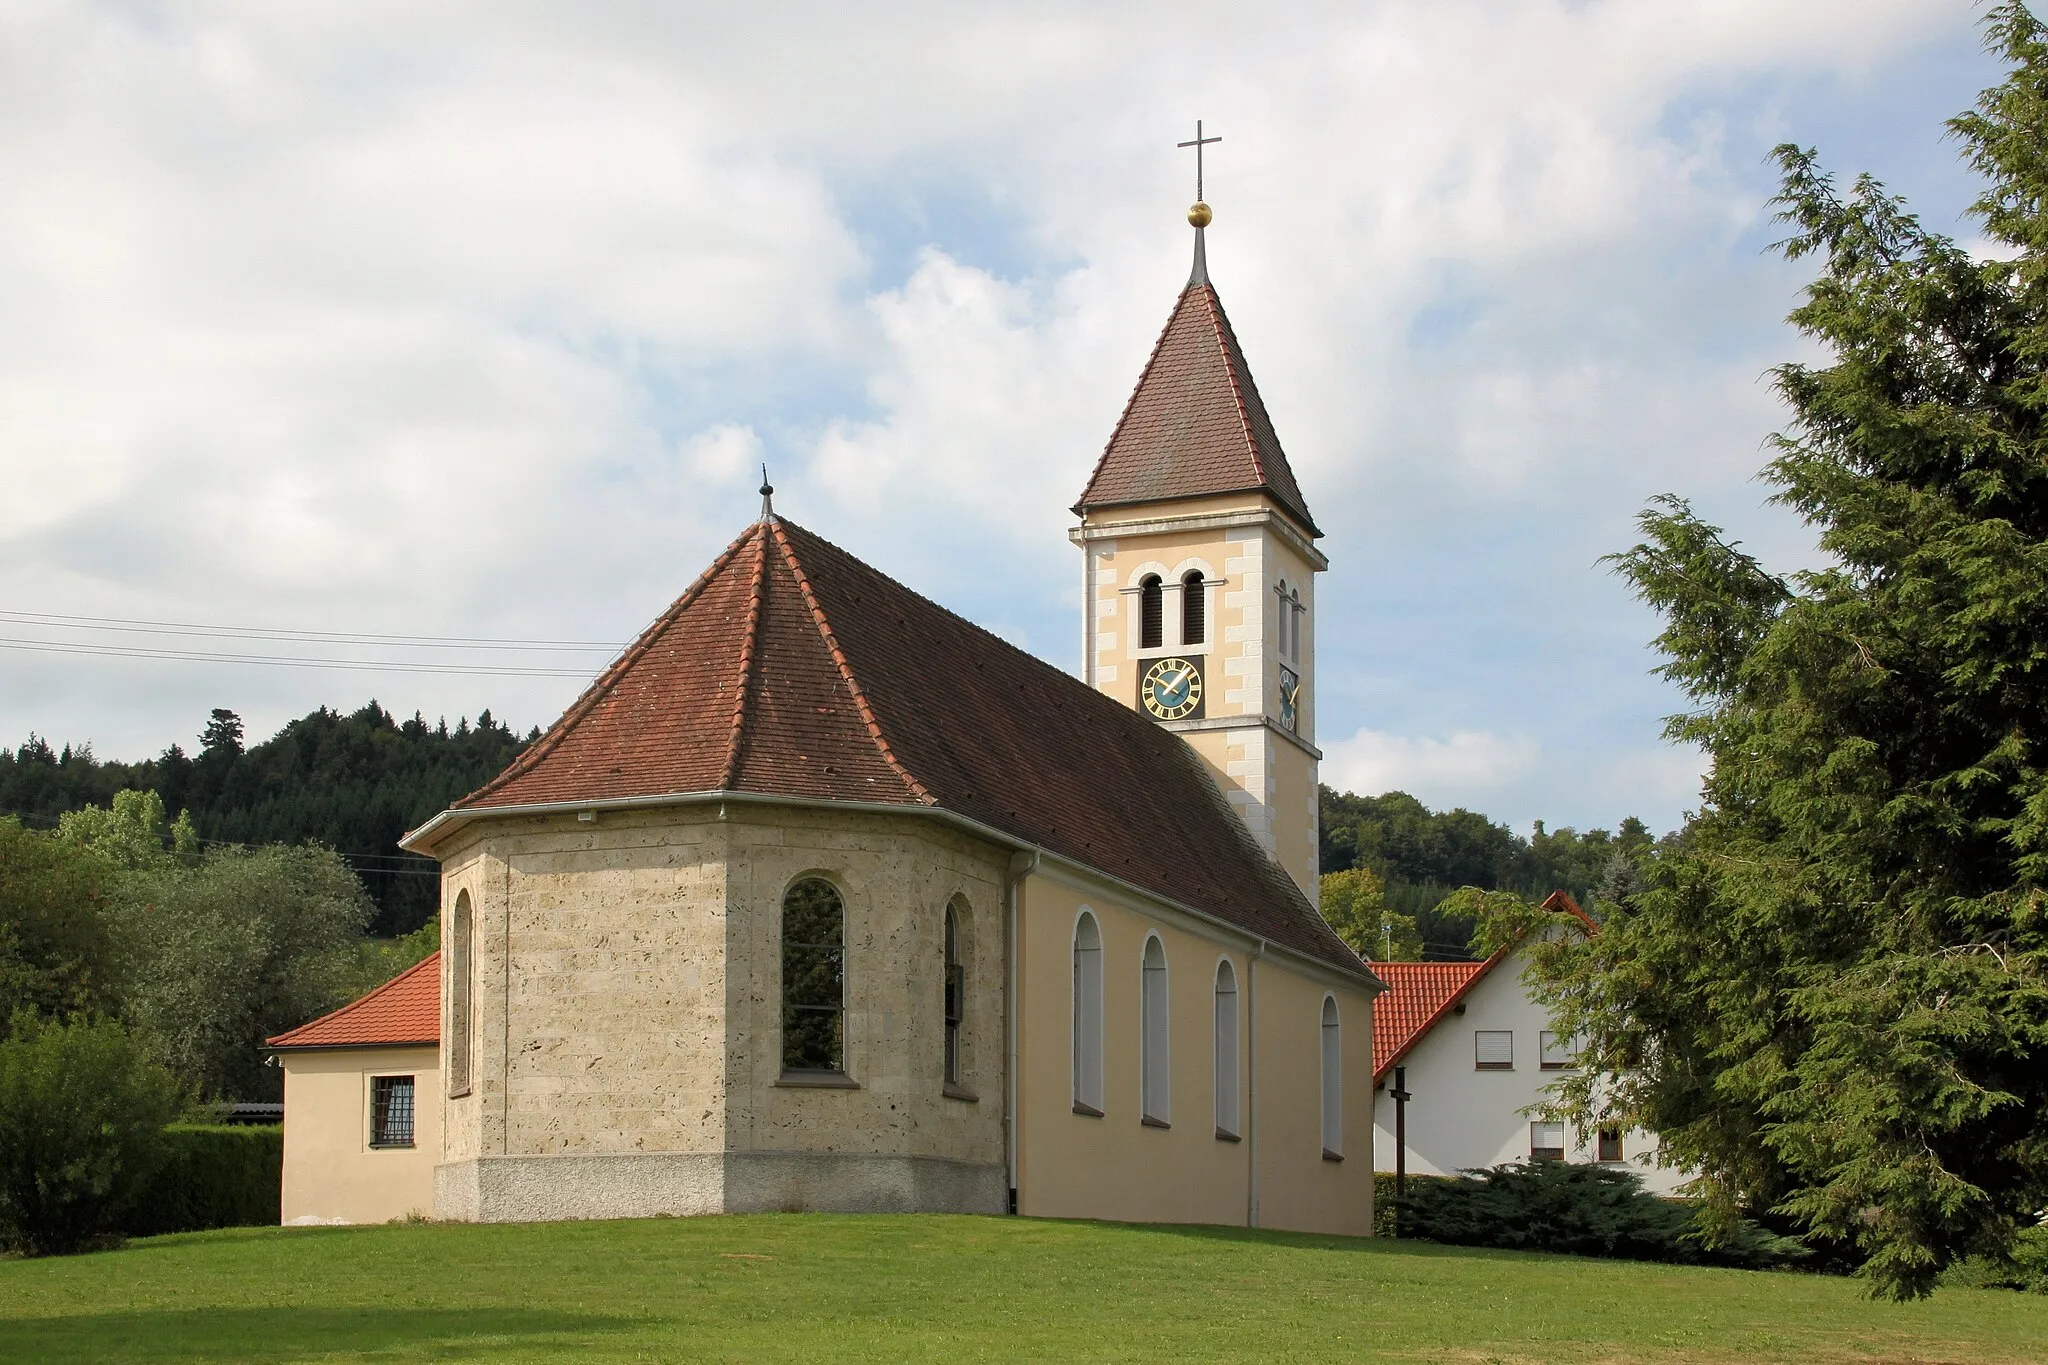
(1832, 1000)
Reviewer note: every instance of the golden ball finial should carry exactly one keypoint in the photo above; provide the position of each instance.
(1199, 214)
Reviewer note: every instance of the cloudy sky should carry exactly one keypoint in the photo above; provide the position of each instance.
(477, 320)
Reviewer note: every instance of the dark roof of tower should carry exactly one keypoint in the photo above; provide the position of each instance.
(1195, 424)
(791, 668)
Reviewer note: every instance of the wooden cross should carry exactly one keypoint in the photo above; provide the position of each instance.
(1198, 142)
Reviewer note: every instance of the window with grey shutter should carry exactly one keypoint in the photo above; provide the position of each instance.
(1493, 1049)
(1546, 1142)
(1559, 1053)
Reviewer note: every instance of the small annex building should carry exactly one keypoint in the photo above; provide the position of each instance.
(361, 1098)
(1479, 1052)
(823, 897)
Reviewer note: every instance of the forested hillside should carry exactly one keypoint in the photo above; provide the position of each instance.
(354, 783)
(1421, 856)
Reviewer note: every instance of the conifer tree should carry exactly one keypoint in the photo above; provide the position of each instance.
(1832, 999)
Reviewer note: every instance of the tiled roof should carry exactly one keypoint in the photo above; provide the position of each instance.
(1419, 994)
(406, 1010)
(1195, 424)
(793, 669)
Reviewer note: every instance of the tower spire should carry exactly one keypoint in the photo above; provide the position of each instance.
(1200, 215)
(767, 496)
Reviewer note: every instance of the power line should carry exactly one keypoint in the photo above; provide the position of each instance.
(277, 661)
(128, 624)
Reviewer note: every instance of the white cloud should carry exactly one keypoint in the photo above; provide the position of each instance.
(1461, 769)
(478, 319)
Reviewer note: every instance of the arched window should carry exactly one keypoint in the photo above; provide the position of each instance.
(1295, 612)
(813, 977)
(1087, 1016)
(1151, 612)
(1226, 1049)
(1284, 621)
(1155, 1058)
(461, 935)
(956, 996)
(1333, 1083)
(1194, 613)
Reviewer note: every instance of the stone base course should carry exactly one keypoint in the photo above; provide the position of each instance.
(530, 1189)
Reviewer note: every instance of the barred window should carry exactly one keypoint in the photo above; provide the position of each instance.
(1226, 1049)
(1155, 1063)
(813, 977)
(956, 996)
(1333, 1082)
(1087, 1016)
(461, 937)
(391, 1111)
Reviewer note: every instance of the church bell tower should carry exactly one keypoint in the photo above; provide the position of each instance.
(1198, 573)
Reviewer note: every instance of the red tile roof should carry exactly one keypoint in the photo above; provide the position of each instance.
(404, 1011)
(1195, 424)
(793, 669)
(1419, 994)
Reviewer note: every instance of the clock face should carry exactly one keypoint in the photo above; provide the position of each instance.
(1171, 689)
(1290, 698)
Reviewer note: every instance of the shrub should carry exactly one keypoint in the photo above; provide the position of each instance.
(212, 1176)
(1580, 1210)
(2026, 1268)
(82, 1115)
(1383, 1210)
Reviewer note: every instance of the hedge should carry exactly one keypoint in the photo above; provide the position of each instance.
(212, 1176)
(1383, 1198)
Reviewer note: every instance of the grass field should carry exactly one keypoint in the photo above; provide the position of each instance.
(818, 1287)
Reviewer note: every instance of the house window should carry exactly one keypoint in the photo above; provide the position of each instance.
(1610, 1144)
(1333, 1083)
(391, 1111)
(1151, 612)
(1154, 1057)
(813, 977)
(956, 996)
(1087, 1016)
(1226, 1049)
(461, 934)
(1493, 1049)
(1194, 613)
(1546, 1142)
(1558, 1054)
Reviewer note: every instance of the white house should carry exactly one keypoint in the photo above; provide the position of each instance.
(1479, 1053)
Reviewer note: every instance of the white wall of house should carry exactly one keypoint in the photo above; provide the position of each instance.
(1462, 1116)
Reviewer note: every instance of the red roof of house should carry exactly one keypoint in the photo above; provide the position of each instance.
(791, 668)
(1419, 994)
(404, 1011)
(1195, 424)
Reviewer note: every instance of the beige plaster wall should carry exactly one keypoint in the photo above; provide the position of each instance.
(1078, 1166)
(331, 1173)
(1298, 1188)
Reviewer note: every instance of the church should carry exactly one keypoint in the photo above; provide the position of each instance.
(821, 897)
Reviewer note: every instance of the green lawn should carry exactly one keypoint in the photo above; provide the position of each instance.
(818, 1287)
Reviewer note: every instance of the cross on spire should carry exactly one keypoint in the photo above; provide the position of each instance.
(1198, 142)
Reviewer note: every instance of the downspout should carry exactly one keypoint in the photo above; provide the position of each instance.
(1251, 1134)
(1021, 866)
